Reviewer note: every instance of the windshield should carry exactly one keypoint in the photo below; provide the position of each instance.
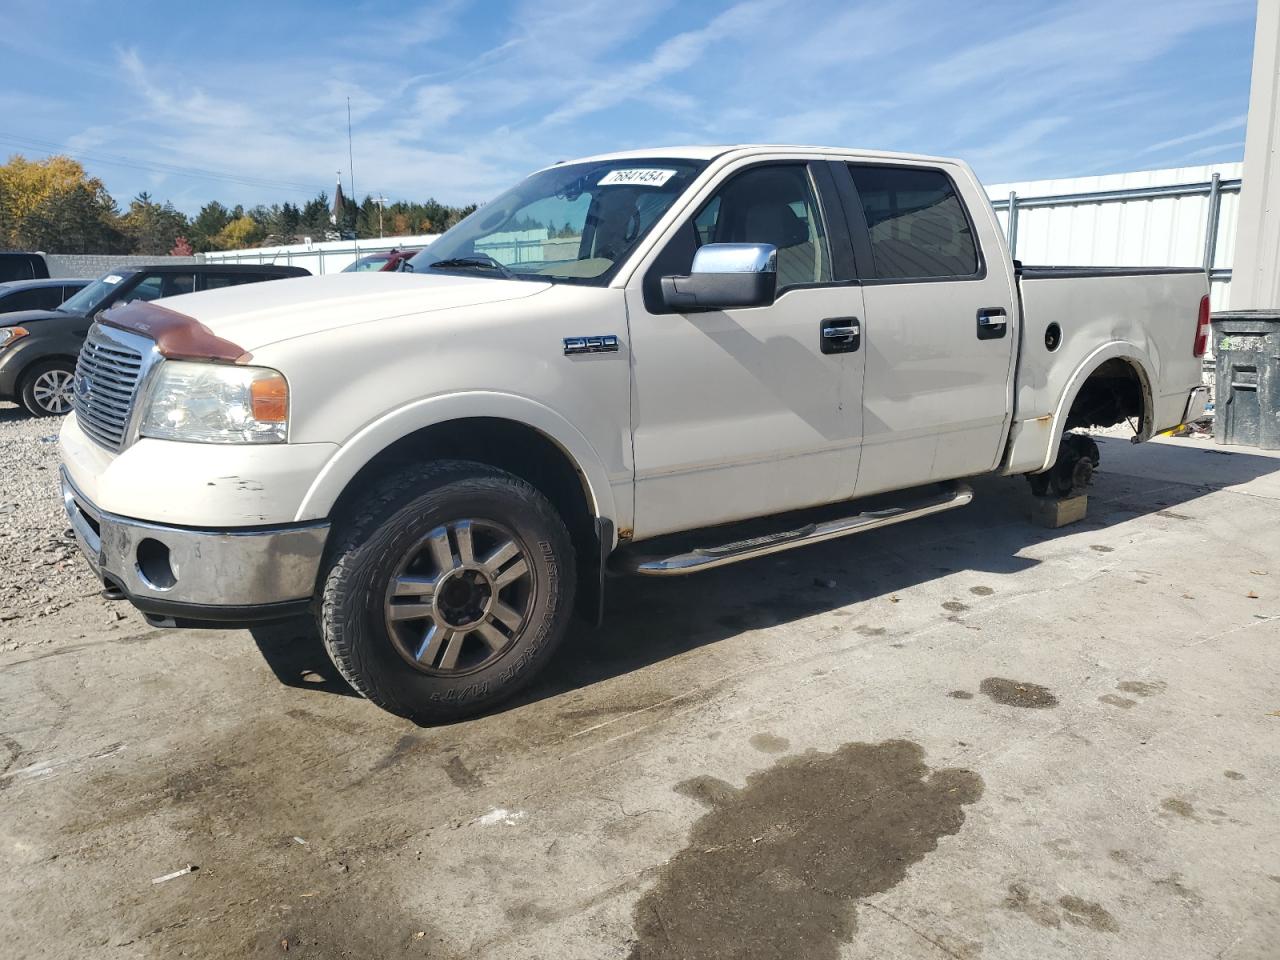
(92, 295)
(572, 223)
(374, 261)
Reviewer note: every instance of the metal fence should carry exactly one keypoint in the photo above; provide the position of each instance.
(1207, 232)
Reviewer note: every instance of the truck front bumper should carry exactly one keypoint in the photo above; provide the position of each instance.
(181, 576)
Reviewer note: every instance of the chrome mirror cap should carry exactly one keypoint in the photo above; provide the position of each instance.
(736, 258)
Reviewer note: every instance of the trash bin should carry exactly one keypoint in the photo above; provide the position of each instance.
(1246, 344)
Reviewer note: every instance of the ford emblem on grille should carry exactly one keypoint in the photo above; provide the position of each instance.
(84, 386)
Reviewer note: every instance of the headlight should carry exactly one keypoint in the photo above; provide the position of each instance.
(10, 334)
(217, 403)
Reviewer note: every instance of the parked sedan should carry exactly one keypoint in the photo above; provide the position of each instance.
(38, 348)
(37, 294)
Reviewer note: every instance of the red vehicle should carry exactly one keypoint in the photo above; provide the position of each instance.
(381, 261)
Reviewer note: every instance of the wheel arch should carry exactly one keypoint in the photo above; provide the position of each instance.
(1107, 358)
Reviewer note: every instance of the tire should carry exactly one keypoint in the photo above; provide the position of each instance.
(436, 639)
(46, 388)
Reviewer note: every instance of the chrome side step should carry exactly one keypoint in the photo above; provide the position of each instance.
(634, 560)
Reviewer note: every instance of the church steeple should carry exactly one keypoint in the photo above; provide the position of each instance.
(335, 217)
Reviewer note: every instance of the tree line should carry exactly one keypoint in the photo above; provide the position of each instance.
(55, 206)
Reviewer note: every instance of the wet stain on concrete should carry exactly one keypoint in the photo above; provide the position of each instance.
(776, 868)
(1018, 693)
(960, 695)
(1173, 516)
(1124, 703)
(981, 591)
(1232, 775)
(768, 743)
(955, 606)
(1179, 807)
(1074, 910)
(871, 631)
(1101, 548)
(460, 775)
(1086, 913)
(1143, 688)
(1173, 884)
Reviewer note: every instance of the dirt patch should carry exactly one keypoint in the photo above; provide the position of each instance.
(1074, 910)
(1124, 703)
(1086, 913)
(775, 869)
(1232, 775)
(955, 606)
(1018, 693)
(1143, 688)
(768, 743)
(981, 591)
(1101, 548)
(1179, 807)
(960, 695)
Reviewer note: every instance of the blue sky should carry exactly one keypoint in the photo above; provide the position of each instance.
(246, 102)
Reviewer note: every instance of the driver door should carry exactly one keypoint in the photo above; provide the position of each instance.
(741, 413)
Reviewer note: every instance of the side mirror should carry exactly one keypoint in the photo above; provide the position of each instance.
(725, 275)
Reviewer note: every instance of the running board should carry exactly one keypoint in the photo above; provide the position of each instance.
(638, 561)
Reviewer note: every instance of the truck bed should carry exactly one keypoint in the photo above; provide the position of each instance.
(1142, 317)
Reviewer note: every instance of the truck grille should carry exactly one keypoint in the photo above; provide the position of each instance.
(107, 377)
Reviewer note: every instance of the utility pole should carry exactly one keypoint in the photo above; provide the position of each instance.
(380, 201)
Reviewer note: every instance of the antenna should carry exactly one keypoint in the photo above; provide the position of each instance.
(351, 171)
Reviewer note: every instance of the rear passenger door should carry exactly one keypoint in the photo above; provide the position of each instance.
(938, 334)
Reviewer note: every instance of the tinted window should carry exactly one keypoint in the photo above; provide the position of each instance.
(213, 281)
(159, 285)
(777, 205)
(917, 223)
(40, 298)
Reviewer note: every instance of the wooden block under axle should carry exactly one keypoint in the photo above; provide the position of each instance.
(1047, 512)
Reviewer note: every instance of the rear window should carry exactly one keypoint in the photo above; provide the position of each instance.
(214, 281)
(918, 225)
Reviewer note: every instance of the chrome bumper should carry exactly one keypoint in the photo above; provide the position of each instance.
(220, 574)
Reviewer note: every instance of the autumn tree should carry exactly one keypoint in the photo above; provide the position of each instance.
(54, 205)
(152, 228)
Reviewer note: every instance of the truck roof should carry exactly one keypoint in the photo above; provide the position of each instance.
(712, 151)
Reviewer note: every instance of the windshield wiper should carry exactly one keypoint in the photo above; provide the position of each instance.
(479, 262)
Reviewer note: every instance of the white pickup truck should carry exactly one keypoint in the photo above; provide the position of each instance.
(612, 367)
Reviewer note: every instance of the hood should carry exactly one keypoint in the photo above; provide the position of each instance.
(20, 318)
(253, 315)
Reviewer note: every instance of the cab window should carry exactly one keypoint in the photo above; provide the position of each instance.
(917, 223)
(774, 204)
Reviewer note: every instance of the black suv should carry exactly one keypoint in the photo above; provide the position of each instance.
(38, 348)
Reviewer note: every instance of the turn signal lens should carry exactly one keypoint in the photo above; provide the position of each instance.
(270, 399)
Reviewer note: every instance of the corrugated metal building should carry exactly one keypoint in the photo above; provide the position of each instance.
(1160, 231)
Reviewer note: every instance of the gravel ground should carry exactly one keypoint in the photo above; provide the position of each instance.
(43, 572)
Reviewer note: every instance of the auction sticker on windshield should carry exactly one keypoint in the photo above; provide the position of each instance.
(638, 177)
(112, 279)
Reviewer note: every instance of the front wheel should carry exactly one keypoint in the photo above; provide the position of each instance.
(449, 589)
(47, 388)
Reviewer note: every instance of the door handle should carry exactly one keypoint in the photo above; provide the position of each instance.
(993, 323)
(840, 335)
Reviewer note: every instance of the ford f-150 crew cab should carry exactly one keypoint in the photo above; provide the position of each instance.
(652, 362)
